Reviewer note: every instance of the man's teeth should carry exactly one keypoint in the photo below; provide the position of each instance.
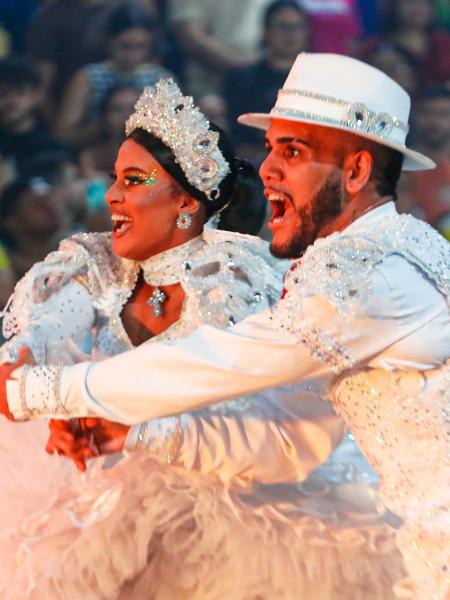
(277, 219)
(275, 198)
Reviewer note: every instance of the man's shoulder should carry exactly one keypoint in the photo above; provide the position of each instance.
(341, 266)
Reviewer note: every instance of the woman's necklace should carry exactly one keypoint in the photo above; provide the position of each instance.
(166, 268)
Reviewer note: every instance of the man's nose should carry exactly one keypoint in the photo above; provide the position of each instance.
(269, 170)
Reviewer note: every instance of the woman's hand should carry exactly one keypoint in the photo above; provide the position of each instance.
(68, 439)
(5, 373)
(80, 440)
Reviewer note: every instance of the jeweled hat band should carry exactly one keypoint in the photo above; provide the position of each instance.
(327, 110)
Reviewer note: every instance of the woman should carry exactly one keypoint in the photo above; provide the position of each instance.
(225, 518)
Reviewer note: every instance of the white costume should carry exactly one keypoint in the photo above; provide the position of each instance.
(221, 521)
(366, 313)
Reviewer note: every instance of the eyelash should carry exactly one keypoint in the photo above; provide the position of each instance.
(292, 152)
(130, 180)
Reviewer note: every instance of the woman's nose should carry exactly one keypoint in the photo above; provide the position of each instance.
(114, 194)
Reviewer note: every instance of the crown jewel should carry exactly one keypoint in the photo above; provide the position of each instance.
(164, 112)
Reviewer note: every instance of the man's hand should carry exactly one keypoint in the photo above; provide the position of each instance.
(82, 439)
(108, 436)
(5, 373)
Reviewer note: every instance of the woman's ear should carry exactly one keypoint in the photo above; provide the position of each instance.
(187, 203)
(357, 170)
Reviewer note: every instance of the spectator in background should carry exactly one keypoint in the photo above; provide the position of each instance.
(427, 194)
(15, 17)
(65, 35)
(30, 223)
(27, 147)
(255, 87)
(132, 34)
(335, 25)
(395, 62)
(97, 160)
(215, 36)
(6, 279)
(410, 25)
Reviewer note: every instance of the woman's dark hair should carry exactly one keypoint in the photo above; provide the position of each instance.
(274, 7)
(240, 203)
(130, 16)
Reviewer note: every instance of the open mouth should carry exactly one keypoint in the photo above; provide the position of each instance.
(280, 205)
(121, 224)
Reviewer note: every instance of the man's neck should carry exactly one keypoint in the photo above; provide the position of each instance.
(353, 211)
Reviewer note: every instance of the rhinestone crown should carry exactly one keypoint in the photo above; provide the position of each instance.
(164, 112)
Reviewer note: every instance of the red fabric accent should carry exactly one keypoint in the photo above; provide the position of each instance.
(292, 268)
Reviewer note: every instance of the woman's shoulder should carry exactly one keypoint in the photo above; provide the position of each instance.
(231, 276)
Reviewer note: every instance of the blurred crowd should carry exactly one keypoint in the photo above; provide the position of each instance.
(71, 71)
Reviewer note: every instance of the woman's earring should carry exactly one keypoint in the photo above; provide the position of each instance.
(184, 220)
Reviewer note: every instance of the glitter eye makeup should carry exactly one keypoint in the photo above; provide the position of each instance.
(141, 179)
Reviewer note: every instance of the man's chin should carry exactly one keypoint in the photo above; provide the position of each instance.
(287, 251)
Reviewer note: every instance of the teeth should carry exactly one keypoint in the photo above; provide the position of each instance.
(277, 220)
(275, 198)
(120, 218)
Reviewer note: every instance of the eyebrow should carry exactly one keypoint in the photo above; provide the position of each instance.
(134, 169)
(290, 139)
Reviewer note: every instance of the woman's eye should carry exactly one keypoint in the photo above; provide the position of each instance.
(133, 180)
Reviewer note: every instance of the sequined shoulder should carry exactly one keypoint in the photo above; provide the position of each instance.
(107, 275)
(42, 281)
(229, 278)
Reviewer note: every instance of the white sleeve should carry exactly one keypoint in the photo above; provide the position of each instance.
(256, 438)
(301, 339)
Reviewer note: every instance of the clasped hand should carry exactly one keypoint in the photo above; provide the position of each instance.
(82, 439)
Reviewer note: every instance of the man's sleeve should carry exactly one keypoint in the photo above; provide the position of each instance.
(303, 338)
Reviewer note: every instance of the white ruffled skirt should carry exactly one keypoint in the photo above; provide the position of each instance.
(141, 530)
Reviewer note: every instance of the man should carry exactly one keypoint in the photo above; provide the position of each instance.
(366, 310)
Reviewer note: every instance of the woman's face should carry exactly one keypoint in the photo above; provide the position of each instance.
(144, 204)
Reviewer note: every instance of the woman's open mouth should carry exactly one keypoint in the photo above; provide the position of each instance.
(121, 224)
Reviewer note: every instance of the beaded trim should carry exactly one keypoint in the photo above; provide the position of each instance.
(163, 436)
(357, 115)
(173, 118)
(23, 389)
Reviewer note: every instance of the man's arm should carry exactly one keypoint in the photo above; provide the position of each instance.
(301, 339)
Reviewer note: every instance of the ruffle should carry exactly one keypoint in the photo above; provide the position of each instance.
(143, 530)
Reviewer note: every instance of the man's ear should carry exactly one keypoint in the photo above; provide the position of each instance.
(358, 167)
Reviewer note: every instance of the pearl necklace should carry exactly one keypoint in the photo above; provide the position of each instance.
(166, 268)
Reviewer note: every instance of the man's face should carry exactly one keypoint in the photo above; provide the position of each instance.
(302, 179)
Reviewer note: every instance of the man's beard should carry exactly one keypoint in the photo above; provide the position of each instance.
(325, 205)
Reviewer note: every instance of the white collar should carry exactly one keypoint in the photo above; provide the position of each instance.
(373, 216)
(166, 267)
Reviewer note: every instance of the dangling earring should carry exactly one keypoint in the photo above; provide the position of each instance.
(184, 220)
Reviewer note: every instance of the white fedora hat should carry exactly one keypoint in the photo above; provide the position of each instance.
(340, 92)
